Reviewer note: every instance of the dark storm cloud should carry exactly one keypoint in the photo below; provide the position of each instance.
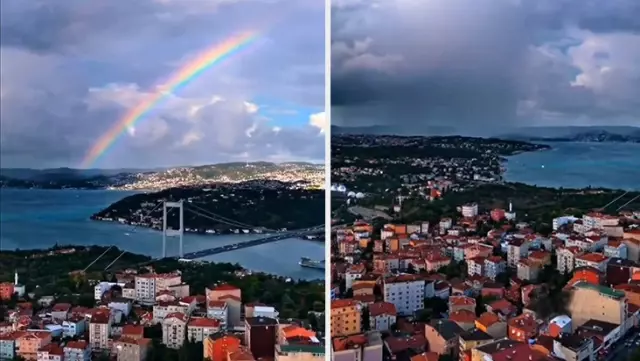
(485, 65)
(71, 69)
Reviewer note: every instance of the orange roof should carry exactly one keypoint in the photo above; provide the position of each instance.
(225, 287)
(216, 304)
(80, 345)
(52, 349)
(297, 331)
(461, 301)
(593, 257)
(231, 297)
(463, 316)
(133, 330)
(426, 356)
(487, 319)
(204, 322)
(539, 254)
(343, 343)
(382, 308)
(348, 302)
(134, 341)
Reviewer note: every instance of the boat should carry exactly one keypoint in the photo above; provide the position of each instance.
(309, 263)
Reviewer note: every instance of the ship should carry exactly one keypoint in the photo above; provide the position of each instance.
(309, 263)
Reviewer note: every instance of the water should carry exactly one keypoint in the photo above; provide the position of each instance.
(579, 165)
(40, 218)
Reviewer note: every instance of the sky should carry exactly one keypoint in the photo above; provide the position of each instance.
(71, 69)
(485, 65)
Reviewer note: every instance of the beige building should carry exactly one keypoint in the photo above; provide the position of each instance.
(345, 317)
(174, 329)
(528, 270)
(99, 331)
(130, 349)
(591, 302)
(200, 328)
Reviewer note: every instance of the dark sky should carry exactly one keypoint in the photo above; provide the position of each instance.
(72, 68)
(485, 65)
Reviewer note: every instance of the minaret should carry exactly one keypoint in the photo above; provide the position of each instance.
(510, 207)
(15, 278)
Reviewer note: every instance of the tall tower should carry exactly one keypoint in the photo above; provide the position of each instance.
(15, 278)
(172, 232)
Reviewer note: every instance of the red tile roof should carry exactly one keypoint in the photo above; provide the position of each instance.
(382, 308)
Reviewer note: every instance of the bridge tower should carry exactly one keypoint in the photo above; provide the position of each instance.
(166, 207)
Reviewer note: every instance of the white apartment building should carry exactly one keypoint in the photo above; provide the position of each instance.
(469, 210)
(220, 311)
(148, 285)
(77, 351)
(566, 258)
(599, 220)
(475, 266)
(103, 287)
(162, 309)
(516, 249)
(406, 292)
(174, 328)
(493, 266)
(381, 316)
(595, 260)
(616, 249)
(561, 221)
(199, 328)
(354, 272)
(265, 311)
(145, 286)
(75, 325)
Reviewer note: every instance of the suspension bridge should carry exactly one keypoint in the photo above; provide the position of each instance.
(270, 235)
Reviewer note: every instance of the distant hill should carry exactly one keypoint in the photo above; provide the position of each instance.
(160, 179)
(394, 130)
(577, 134)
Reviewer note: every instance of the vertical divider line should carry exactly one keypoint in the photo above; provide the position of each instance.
(327, 186)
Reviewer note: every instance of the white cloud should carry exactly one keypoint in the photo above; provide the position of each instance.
(319, 120)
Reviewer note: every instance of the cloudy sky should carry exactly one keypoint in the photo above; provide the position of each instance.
(71, 69)
(485, 64)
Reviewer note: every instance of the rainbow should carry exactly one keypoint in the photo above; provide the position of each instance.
(177, 80)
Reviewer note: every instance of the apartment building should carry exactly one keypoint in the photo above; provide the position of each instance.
(353, 273)
(475, 266)
(406, 292)
(220, 311)
(345, 317)
(616, 249)
(368, 346)
(28, 344)
(566, 258)
(162, 309)
(528, 270)
(595, 260)
(260, 336)
(516, 250)
(382, 315)
(77, 351)
(131, 349)
(99, 331)
(595, 302)
(174, 328)
(200, 328)
(493, 266)
(50, 352)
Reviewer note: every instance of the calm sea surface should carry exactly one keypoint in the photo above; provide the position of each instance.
(578, 165)
(40, 218)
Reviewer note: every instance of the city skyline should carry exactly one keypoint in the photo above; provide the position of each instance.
(84, 74)
(484, 65)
